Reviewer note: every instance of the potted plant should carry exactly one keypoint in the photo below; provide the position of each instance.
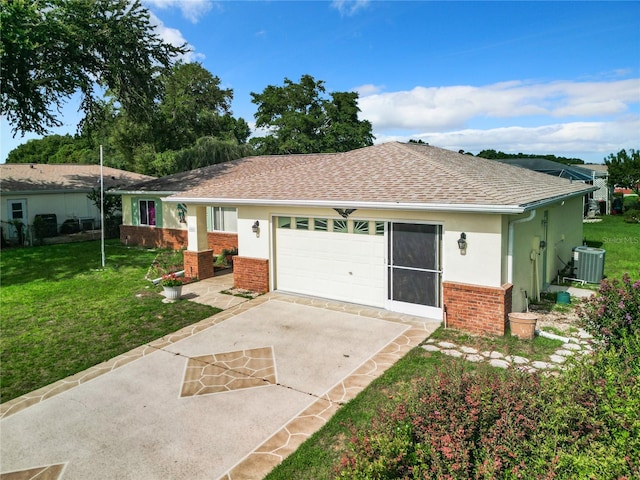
(172, 285)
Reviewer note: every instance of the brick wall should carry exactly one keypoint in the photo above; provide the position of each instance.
(477, 308)
(198, 264)
(174, 239)
(251, 274)
(218, 241)
(152, 237)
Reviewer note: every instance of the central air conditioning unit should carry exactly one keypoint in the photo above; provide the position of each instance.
(588, 263)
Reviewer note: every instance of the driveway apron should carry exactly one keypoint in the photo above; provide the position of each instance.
(227, 398)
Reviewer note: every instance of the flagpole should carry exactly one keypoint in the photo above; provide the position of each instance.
(101, 208)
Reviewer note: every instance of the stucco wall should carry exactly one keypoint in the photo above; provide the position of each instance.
(480, 265)
(564, 232)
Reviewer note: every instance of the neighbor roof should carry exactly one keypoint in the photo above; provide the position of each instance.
(542, 165)
(390, 175)
(47, 178)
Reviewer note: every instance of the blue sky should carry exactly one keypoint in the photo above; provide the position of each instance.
(557, 78)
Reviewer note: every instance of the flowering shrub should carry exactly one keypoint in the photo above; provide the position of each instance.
(171, 280)
(614, 312)
(458, 425)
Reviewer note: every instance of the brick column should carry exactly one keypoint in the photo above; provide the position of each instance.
(251, 274)
(477, 308)
(198, 264)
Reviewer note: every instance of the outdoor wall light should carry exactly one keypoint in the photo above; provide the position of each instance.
(462, 242)
(255, 228)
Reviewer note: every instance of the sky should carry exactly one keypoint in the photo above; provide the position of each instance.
(540, 77)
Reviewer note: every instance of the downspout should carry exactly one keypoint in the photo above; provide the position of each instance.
(510, 248)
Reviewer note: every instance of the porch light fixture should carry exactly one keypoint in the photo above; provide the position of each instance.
(462, 242)
(255, 228)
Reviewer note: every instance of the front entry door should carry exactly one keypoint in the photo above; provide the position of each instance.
(413, 269)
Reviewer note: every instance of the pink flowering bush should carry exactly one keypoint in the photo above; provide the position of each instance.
(614, 312)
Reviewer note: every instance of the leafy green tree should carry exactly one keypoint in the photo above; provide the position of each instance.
(494, 155)
(206, 151)
(300, 118)
(40, 150)
(51, 49)
(192, 105)
(624, 169)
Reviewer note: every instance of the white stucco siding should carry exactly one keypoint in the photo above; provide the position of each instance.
(563, 232)
(63, 205)
(481, 264)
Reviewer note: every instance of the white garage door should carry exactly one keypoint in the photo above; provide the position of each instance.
(341, 266)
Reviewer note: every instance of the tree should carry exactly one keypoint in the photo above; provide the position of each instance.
(51, 49)
(112, 209)
(493, 155)
(192, 105)
(624, 169)
(50, 149)
(301, 119)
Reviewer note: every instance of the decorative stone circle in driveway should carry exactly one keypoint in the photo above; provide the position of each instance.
(226, 372)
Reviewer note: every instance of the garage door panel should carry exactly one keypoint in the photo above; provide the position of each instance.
(341, 266)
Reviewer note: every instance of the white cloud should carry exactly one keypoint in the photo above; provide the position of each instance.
(349, 7)
(368, 89)
(443, 108)
(192, 10)
(174, 37)
(590, 141)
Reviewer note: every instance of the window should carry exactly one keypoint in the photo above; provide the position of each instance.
(320, 224)
(361, 226)
(284, 222)
(379, 228)
(224, 219)
(147, 212)
(302, 223)
(340, 226)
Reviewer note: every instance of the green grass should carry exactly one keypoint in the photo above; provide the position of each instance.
(620, 240)
(537, 349)
(60, 313)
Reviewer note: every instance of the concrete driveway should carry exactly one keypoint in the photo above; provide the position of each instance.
(228, 398)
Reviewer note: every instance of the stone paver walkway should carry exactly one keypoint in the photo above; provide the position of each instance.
(576, 344)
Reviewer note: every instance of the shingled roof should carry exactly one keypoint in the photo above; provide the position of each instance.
(390, 175)
(47, 178)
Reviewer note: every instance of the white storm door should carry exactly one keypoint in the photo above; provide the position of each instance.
(413, 269)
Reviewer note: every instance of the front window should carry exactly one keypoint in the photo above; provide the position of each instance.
(225, 219)
(148, 212)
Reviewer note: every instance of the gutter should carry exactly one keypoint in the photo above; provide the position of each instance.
(438, 207)
(531, 216)
(143, 192)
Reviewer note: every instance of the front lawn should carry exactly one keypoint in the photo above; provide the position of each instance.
(60, 313)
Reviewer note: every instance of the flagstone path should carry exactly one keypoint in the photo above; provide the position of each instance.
(576, 344)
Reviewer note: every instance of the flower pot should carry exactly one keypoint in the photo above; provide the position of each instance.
(173, 293)
(523, 324)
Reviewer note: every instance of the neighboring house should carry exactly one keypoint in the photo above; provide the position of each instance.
(55, 192)
(596, 175)
(407, 227)
(604, 193)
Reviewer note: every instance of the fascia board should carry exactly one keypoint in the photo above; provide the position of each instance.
(461, 208)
